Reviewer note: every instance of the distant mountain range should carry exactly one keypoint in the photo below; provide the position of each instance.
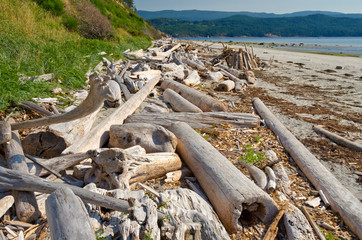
(198, 15)
(317, 25)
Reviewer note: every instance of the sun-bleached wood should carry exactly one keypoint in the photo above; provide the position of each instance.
(5, 204)
(67, 216)
(271, 179)
(257, 174)
(178, 103)
(98, 136)
(297, 225)
(198, 120)
(99, 91)
(236, 73)
(5, 132)
(192, 79)
(250, 77)
(231, 193)
(226, 86)
(204, 102)
(239, 84)
(341, 200)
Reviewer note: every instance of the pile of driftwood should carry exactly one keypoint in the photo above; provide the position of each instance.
(80, 174)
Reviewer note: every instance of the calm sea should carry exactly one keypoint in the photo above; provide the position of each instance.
(340, 45)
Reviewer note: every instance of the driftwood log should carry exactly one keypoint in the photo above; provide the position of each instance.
(26, 207)
(341, 200)
(35, 107)
(257, 174)
(239, 84)
(99, 91)
(226, 86)
(235, 72)
(5, 132)
(338, 139)
(178, 103)
(192, 79)
(297, 225)
(236, 199)
(67, 216)
(98, 136)
(206, 103)
(198, 120)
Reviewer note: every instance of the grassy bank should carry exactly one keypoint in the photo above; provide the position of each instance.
(34, 41)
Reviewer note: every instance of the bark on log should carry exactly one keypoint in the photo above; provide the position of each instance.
(99, 91)
(5, 132)
(35, 107)
(206, 103)
(178, 103)
(226, 86)
(99, 134)
(67, 216)
(341, 200)
(26, 207)
(197, 120)
(338, 139)
(237, 199)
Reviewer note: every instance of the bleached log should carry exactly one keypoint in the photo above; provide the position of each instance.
(226, 86)
(99, 91)
(215, 76)
(192, 79)
(5, 204)
(338, 139)
(231, 193)
(177, 175)
(178, 103)
(35, 107)
(176, 59)
(204, 102)
(98, 135)
(257, 174)
(271, 179)
(239, 84)
(313, 224)
(194, 64)
(250, 77)
(126, 92)
(236, 73)
(297, 225)
(67, 216)
(341, 200)
(5, 132)
(130, 83)
(197, 120)
(25, 202)
(115, 88)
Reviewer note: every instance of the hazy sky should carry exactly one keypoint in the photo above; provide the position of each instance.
(270, 6)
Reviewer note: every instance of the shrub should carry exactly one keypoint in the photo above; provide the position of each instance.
(56, 7)
(70, 23)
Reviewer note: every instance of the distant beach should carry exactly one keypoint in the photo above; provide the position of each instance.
(334, 45)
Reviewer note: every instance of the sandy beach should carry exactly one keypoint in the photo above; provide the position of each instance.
(305, 89)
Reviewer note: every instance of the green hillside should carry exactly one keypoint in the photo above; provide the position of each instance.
(308, 26)
(62, 37)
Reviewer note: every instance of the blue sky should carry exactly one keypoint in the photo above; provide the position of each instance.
(270, 6)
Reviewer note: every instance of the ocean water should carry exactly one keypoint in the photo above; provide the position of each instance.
(339, 45)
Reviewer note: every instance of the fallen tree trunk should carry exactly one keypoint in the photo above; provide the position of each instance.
(67, 216)
(338, 139)
(206, 103)
(178, 103)
(236, 199)
(26, 207)
(98, 136)
(197, 120)
(341, 200)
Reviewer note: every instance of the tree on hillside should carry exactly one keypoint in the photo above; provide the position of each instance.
(130, 4)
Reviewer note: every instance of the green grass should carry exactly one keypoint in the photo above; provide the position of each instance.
(250, 156)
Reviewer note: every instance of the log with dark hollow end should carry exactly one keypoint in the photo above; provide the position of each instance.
(341, 200)
(226, 86)
(197, 120)
(99, 91)
(99, 135)
(26, 207)
(236, 199)
(206, 103)
(178, 103)
(67, 216)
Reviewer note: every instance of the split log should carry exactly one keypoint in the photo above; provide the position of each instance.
(126, 92)
(67, 216)
(341, 200)
(206, 103)
(273, 228)
(226, 86)
(99, 91)
(5, 204)
(198, 120)
(25, 202)
(296, 224)
(35, 107)
(5, 132)
(178, 103)
(130, 83)
(119, 169)
(338, 139)
(152, 137)
(237, 199)
(257, 174)
(99, 134)
(192, 79)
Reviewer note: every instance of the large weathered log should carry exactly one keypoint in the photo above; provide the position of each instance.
(342, 200)
(236, 199)
(178, 103)
(115, 88)
(25, 202)
(67, 216)
(198, 120)
(99, 91)
(35, 107)
(338, 139)
(99, 134)
(206, 103)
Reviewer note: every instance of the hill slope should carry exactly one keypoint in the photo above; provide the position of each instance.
(309, 26)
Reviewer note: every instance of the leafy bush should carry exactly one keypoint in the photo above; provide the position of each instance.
(70, 23)
(56, 7)
(250, 156)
